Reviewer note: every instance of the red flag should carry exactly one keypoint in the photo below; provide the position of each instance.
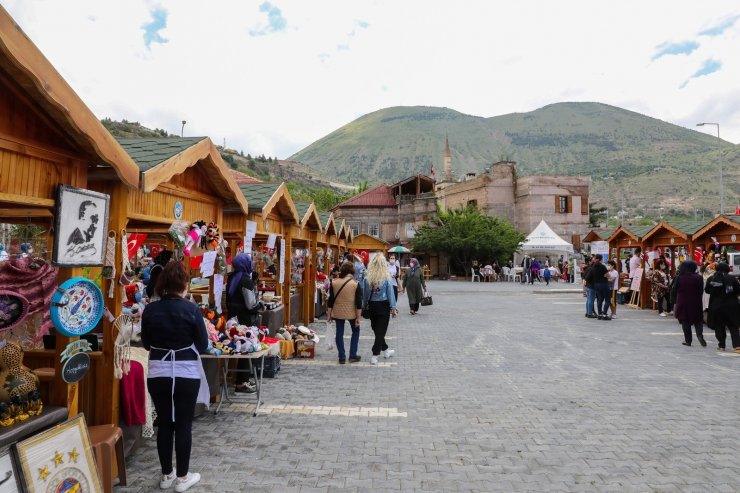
(135, 240)
(698, 255)
(737, 210)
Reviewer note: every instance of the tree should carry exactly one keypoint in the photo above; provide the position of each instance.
(595, 214)
(465, 234)
(361, 186)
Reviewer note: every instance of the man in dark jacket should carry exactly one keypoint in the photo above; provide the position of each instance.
(589, 287)
(597, 275)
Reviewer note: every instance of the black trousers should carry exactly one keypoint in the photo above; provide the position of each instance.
(698, 326)
(395, 292)
(414, 307)
(186, 392)
(380, 314)
(602, 297)
(721, 334)
(668, 304)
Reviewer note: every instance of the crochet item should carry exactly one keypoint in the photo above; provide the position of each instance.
(35, 280)
(13, 309)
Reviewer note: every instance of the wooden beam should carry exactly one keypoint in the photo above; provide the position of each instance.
(135, 216)
(9, 213)
(35, 149)
(25, 200)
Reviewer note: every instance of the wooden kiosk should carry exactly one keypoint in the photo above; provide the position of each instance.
(628, 238)
(305, 236)
(48, 137)
(178, 177)
(328, 239)
(272, 208)
(725, 228)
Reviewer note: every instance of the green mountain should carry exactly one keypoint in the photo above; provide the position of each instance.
(645, 162)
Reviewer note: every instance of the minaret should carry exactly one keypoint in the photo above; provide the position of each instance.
(448, 161)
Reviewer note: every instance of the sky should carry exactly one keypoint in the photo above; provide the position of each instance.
(271, 77)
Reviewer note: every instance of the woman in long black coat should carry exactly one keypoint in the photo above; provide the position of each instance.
(723, 290)
(687, 295)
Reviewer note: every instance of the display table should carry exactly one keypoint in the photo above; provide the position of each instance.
(224, 360)
(273, 319)
(50, 416)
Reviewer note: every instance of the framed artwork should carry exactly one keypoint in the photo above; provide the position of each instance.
(81, 227)
(60, 460)
(9, 480)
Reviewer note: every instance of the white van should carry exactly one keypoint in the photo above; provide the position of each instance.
(733, 258)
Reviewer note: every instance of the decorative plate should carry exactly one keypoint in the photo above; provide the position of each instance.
(76, 307)
(13, 309)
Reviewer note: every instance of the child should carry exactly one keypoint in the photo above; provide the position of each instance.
(546, 274)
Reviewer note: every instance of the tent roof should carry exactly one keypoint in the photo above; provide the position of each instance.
(543, 238)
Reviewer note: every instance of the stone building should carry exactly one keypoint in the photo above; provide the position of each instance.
(562, 201)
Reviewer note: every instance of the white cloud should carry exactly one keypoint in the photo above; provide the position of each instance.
(317, 66)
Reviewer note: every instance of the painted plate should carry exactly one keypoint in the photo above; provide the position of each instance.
(13, 309)
(76, 307)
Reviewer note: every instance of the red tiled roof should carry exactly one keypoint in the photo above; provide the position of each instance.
(380, 196)
(243, 179)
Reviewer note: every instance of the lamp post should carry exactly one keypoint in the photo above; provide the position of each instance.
(182, 130)
(721, 182)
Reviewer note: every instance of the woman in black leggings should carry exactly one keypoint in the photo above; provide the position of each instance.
(173, 331)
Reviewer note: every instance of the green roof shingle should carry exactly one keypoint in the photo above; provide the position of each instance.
(148, 153)
(258, 194)
(687, 227)
(302, 208)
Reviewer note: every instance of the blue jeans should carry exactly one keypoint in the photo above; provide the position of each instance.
(354, 341)
(590, 296)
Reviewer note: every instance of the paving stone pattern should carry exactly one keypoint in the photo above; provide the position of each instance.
(496, 387)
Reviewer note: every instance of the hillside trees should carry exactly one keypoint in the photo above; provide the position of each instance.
(467, 234)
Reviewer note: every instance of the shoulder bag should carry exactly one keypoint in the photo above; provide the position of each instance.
(366, 305)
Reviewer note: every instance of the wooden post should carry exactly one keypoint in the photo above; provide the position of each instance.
(309, 291)
(286, 283)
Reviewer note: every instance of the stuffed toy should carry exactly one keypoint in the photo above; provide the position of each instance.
(253, 342)
(197, 230)
(213, 236)
(134, 306)
(26, 250)
(178, 232)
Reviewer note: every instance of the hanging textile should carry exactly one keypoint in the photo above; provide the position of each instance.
(109, 268)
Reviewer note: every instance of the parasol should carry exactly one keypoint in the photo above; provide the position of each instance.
(399, 249)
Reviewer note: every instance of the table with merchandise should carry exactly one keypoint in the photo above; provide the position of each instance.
(224, 360)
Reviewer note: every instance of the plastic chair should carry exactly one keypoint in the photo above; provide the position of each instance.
(473, 275)
(107, 440)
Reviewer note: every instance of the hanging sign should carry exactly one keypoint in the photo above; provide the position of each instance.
(76, 307)
(75, 361)
(178, 210)
(600, 247)
(282, 263)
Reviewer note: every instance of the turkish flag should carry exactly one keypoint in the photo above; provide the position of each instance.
(135, 240)
(698, 255)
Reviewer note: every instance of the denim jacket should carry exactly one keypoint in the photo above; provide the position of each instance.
(383, 293)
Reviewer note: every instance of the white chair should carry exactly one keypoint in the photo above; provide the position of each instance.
(507, 274)
(473, 275)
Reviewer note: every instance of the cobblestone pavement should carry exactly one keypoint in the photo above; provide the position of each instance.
(496, 387)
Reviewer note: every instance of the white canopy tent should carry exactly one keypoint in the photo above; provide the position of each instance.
(544, 241)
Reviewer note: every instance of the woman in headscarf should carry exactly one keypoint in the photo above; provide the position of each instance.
(413, 283)
(241, 302)
(723, 290)
(687, 294)
(377, 294)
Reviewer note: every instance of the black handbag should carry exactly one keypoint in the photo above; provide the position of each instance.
(365, 311)
(426, 301)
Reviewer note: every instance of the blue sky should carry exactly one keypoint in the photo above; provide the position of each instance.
(270, 77)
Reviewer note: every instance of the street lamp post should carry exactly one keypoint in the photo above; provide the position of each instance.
(182, 130)
(721, 181)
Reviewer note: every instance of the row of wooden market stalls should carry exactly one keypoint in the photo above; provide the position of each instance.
(678, 239)
(50, 138)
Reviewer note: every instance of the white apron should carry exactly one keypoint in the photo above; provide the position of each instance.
(183, 369)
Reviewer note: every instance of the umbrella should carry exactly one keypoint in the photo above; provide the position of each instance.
(399, 249)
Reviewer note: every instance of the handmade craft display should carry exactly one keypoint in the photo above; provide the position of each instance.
(76, 307)
(15, 379)
(35, 280)
(60, 460)
(13, 309)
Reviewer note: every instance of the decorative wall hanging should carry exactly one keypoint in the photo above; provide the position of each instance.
(75, 361)
(178, 210)
(60, 460)
(35, 280)
(81, 225)
(76, 307)
(13, 309)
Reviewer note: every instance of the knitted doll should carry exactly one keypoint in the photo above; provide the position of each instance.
(213, 236)
(197, 230)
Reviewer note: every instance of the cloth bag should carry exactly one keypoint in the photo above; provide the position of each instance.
(426, 300)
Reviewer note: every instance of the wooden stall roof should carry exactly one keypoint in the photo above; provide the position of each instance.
(636, 232)
(364, 241)
(598, 234)
(342, 229)
(350, 235)
(44, 89)
(265, 197)
(309, 216)
(161, 159)
(728, 219)
(683, 229)
(328, 224)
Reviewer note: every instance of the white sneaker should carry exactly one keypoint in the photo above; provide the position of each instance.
(374, 360)
(388, 353)
(182, 484)
(167, 480)
(663, 314)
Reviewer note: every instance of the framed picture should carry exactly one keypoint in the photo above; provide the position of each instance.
(81, 227)
(9, 480)
(60, 460)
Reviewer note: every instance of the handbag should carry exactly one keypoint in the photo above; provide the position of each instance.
(426, 300)
(365, 311)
